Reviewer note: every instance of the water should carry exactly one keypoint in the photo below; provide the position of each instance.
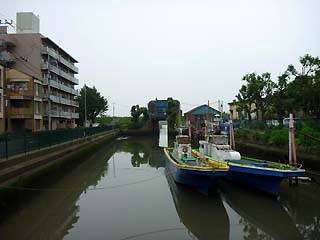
(123, 191)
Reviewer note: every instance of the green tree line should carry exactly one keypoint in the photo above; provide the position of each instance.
(296, 90)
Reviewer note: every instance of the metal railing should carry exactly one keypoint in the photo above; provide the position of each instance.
(18, 143)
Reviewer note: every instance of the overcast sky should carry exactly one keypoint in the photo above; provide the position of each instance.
(193, 50)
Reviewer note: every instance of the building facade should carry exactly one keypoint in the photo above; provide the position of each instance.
(44, 74)
(237, 114)
(2, 103)
(198, 115)
(24, 110)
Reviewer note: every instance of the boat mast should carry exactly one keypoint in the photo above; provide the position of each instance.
(292, 142)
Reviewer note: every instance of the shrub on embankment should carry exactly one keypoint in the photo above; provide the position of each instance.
(278, 137)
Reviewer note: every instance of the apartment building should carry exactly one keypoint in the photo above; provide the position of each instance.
(50, 71)
(24, 109)
(2, 119)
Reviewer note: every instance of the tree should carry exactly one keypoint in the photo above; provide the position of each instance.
(173, 113)
(258, 89)
(135, 113)
(281, 104)
(305, 88)
(96, 104)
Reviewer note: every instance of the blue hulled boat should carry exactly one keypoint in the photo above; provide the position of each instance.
(189, 168)
(263, 175)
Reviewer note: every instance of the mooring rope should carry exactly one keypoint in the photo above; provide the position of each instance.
(77, 189)
(153, 232)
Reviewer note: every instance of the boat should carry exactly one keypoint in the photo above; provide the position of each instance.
(204, 217)
(189, 168)
(260, 174)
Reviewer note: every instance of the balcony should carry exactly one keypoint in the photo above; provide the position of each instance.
(75, 115)
(21, 113)
(55, 55)
(64, 101)
(50, 52)
(62, 114)
(44, 66)
(60, 86)
(55, 99)
(69, 77)
(68, 64)
(20, 94)
(74, 103)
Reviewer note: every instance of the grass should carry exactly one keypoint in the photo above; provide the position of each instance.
(279, 137)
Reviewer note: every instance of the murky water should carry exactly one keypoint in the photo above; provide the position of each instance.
(123, 191)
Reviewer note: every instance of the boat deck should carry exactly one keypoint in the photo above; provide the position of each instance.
(262, 164)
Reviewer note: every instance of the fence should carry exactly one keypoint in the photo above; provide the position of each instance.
(15, 143)
(262, 124)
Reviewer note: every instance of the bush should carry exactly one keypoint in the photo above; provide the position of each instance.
(278, 137)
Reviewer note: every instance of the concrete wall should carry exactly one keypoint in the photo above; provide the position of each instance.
(28, 46)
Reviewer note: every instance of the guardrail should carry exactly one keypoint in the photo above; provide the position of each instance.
(17, 143)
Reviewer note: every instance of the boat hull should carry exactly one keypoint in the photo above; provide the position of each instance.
(266, 180)
(200, 180)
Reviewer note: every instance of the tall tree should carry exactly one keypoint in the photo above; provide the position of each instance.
(304, 90)
(257, 89)
(96, 104)
(173, 113)
(135, 113)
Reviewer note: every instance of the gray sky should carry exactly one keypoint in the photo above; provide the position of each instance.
(193, 50)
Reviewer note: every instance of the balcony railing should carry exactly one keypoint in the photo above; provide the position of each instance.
(68, 64)
(75, 115)
(65, 101)
(21, 112)
(62, 114)
(20, 93)
(61, 86)
(49, 51)
(55, 55)
(55, 98)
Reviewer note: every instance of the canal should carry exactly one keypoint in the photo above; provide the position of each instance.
(123, 191)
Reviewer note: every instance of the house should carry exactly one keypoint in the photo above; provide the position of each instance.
(237, 114)
(198, 115)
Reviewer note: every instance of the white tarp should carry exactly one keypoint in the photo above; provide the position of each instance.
(163, 134)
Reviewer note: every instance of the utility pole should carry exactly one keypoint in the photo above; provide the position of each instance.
(85, 105)
(113, 110)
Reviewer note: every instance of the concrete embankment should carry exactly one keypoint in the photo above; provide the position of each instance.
(21, 169)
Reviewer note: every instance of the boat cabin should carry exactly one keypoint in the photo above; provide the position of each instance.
(182, 147)
(218, 148)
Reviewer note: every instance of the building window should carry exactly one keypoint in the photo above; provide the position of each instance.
(18, 86)
(37, 108)
(1, 78)
(37, 124)
(20, 104)
(37, 89)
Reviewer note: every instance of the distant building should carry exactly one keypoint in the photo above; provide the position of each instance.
(157, 109)
(237, 114)
(44, 68)
(2, 103)
(198, 115)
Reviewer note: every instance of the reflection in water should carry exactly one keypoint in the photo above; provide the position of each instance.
(50, 214)
(302, 203)
(143, 152)
(262, 217)
(121, 192)
(205, 217)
